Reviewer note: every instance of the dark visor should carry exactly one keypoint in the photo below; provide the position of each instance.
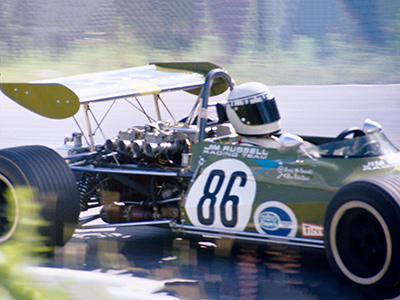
(258, 113)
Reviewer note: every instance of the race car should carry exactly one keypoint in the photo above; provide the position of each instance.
(198, 175)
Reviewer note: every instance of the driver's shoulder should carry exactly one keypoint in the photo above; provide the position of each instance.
(266, 142)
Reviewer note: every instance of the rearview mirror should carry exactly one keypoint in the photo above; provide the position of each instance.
(371, 126)
(288, 141)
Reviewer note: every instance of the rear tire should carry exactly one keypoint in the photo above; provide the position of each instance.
(362, 232)
(53, 187)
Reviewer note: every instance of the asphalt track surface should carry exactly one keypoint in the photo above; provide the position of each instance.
(192, 268)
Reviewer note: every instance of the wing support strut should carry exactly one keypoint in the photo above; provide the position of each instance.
(89, 127)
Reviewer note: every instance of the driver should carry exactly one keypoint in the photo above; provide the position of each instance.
(253, 113)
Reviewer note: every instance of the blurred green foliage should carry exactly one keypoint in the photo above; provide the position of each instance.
(20, 252)
(273, 41)
(302, 65)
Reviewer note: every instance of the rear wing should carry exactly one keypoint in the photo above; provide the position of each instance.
(61, 97)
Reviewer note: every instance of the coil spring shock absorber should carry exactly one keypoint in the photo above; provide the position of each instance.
(87, 187)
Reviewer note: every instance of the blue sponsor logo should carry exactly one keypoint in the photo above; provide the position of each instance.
(269, 220)
(275, 218)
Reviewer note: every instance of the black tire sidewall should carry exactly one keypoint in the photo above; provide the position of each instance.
(45, 172)
(376, 199)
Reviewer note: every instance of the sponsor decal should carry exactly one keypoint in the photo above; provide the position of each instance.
(388, 163)
(296, 174)
(312, 230)
(236, 151)
(275, 218)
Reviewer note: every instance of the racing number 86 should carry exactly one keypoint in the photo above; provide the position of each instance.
(211, 195)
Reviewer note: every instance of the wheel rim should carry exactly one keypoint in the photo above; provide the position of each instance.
(360, 242)
(9, 209)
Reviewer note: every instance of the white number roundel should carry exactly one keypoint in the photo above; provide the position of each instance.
(222, 196)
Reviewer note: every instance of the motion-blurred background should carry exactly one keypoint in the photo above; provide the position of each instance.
(273, 41)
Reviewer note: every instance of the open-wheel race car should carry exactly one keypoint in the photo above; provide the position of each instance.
(205, 173)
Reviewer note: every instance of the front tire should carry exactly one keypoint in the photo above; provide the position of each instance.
(362, 232)
(50, 183)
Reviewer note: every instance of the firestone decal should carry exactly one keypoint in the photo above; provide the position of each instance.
(312, 230)
(275, 218)
(222, 196)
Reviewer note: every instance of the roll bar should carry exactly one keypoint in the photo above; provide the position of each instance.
(204, 96)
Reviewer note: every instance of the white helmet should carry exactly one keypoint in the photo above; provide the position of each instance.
(252, 110)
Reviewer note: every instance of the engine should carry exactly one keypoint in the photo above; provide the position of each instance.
(126, 194)
(157, 141)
